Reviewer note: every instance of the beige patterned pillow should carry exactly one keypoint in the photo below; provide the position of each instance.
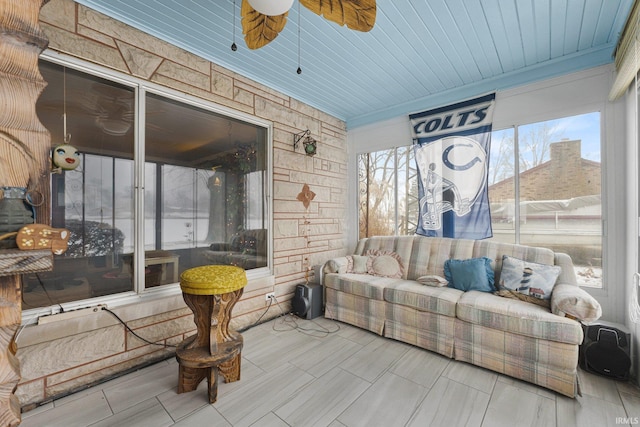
(432, 280)
(384, 264)
(357, 264)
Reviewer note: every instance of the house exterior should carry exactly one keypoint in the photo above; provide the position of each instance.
(565, 175)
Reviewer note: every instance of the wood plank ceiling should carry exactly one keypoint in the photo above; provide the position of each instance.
(420, 54)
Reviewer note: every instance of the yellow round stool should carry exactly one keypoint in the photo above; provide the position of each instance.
(210, 291)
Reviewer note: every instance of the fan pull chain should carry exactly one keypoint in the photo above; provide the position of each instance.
(234, 47)
(299, 70)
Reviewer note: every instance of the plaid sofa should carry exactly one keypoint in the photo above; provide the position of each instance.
(509, 336)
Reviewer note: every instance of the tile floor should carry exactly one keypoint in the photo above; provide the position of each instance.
(349, 377)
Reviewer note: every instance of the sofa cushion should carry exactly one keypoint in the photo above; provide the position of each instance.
(518, 317)
(423, 298)
(529, 278)
(470, 274)
(357, 264)
(363, 285)
(428, 255)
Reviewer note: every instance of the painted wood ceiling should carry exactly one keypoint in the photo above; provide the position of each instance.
(420, 54)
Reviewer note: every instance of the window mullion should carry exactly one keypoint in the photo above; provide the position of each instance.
(139, 186)
(516, 183)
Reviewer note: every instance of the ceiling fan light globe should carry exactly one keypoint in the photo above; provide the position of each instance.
(271, 7)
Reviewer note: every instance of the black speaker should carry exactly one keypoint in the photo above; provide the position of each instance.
(307, 301)
(606, 350)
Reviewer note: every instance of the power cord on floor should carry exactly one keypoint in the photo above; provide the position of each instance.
(293, 324)
(132, 332)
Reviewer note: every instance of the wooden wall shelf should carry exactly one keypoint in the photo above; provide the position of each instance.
(16, 261)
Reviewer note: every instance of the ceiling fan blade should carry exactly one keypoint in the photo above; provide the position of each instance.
(258, 29)
(358, 15)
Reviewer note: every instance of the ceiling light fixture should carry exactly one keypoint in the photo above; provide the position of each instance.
(271, 7)
(263, 20)
(308, 142)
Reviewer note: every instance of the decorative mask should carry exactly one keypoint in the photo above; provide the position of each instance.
(65, 157)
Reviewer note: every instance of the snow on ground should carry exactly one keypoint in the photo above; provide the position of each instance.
(589, 276)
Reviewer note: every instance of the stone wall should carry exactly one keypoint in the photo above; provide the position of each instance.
(60, 357)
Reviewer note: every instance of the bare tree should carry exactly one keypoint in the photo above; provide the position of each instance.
(377, 180)
(501, 162)
(534, 144)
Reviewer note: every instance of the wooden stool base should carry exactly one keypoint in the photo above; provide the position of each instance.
(214, 347)
(196, 364)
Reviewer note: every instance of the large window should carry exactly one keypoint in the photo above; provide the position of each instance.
(549, 197)
(388, 192)
(155, 194)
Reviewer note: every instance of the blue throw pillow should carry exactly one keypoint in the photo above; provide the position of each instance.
(474, 274)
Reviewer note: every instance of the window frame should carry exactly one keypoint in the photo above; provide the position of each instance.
(141, 87)
(587, 109)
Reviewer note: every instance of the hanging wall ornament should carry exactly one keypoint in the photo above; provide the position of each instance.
(65, 157)
(306, 196)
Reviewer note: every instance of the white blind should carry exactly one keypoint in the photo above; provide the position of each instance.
(627, 54)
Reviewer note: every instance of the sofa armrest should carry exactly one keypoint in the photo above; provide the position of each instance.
(570, 300)
(568, 273)
(335, 265)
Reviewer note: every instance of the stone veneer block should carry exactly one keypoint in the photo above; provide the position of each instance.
(62, 15)
(221, 84)
(161, 317)
(192, 90)
(83, 48)
(31, 392)
(43, 359)
(293, 160)
(262, 91)
(243, 96)
(120, 31)
(289, 191)
(184, 74)
(287, 268)
(96, 36)
(159, 331)
(285, 228)
(317, 114)
(76, 383)
(319, 180)
(140, 62)
(297, 243)
(281, 114)
(118, 362)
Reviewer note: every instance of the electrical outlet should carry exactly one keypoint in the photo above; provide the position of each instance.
(269, 295)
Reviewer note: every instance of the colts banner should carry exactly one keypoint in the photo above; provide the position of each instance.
(452, 146)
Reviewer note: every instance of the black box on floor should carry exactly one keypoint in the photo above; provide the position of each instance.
(307, 301)
(606, 350)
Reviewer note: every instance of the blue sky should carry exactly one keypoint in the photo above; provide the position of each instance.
(585, 127)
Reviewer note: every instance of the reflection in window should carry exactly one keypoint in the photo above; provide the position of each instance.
(204, 191)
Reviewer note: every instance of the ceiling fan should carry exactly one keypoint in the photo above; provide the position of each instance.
(262, 20)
